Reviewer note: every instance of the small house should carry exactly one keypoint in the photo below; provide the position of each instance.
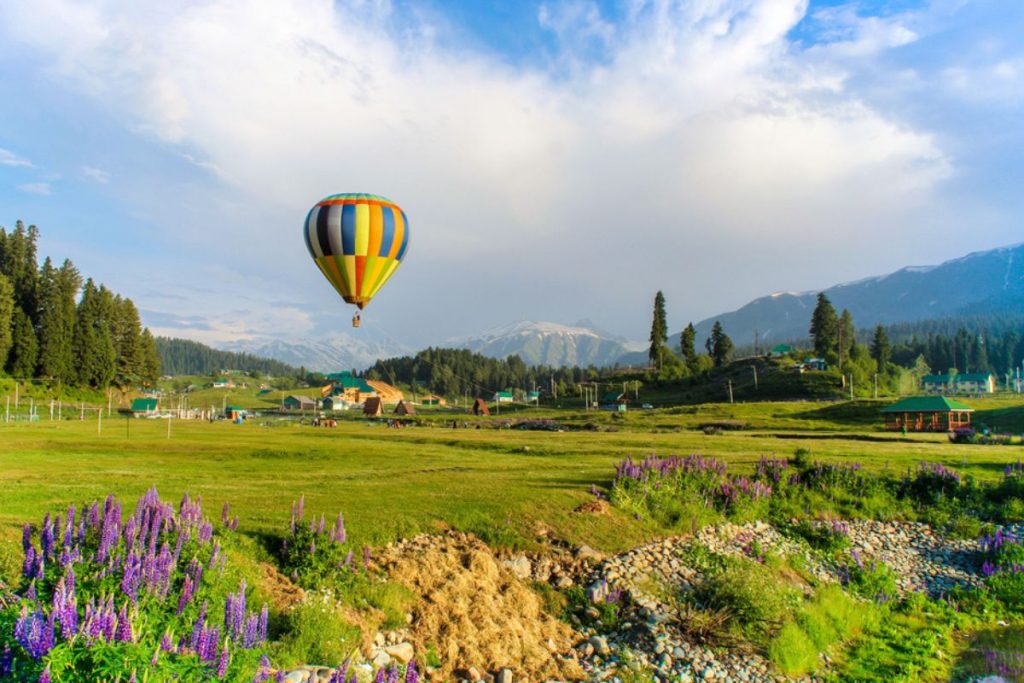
(373, 407)
(927, 414)
(235, 413)
(533, 396)
(405, 408)
(295, 402)
(223, 383)
(144, 407)
(815, 364)
(432, 400)
(615, 401)
(502, 397)
(480, 407)
(334, 403)
(966, 383)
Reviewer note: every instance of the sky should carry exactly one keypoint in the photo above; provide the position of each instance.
(557, 160)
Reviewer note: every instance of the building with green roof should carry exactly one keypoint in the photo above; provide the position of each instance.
(927, 414)
(144, 406)
(960, 383)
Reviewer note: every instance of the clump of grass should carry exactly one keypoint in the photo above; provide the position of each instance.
(821, 623)
(315, 631)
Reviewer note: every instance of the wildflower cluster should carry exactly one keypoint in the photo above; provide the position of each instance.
(872, 580)
(694, 477)
(315, 553)
(101, 589)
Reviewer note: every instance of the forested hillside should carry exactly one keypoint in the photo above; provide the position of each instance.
(186, 357)
(54, 327)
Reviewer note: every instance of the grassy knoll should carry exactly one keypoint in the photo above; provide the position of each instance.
(390, 483)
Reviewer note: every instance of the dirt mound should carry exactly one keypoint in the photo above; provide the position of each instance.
(475, 613)
(594, 507)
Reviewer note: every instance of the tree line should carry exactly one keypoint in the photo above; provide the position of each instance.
(187, 357)
(56, 327)
(458, 372)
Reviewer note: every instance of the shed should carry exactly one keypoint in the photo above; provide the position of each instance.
(927, 414)
(334, 403)
(615, 400)
(502, 397)
(373, 407)
(405, 408)
(295, 402)
(480, 407)
(235, 412)
(142, 407)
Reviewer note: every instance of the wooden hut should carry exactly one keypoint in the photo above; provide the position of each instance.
(927, 414)
(480, 407)
(373, 407)
(405, 408)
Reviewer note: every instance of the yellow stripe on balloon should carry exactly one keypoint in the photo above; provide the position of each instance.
(348, 269)
(362, 229)
(392, 264)
(376, 230)
(374, 269)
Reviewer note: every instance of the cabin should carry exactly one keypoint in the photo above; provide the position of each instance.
(502, 397)
(405, 408)
(480, 407)
(966, 383)
(615, 401)
(223, 383)
(295, 402)
(533, 396)
(349, 387)
(144, 407)
(432, 400)
(235, 413)
(815, 364)
(373, 407)
(927, 414)
(334, 403)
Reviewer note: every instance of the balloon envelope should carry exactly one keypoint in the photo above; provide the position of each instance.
(357, 241)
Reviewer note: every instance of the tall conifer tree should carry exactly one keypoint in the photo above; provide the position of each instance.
(659, 331)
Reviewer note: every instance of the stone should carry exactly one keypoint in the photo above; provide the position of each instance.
(600, 645)
(563, 581)
(297, 676)
(520, 565)
(381, 659)
(378, 639)
(403, 652)
(504, 676)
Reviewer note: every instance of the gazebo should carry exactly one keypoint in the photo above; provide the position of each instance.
(927, 414)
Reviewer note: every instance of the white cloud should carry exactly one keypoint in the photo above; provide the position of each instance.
(687, 126)
(9, 158)
(97, 174)
(37, 188)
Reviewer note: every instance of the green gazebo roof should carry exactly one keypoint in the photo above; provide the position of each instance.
(927, 404)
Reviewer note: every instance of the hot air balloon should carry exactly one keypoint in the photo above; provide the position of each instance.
(357, 241)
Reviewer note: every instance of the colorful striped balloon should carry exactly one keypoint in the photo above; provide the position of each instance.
(357, 242)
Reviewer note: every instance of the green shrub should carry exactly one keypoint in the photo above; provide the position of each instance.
(315, 632)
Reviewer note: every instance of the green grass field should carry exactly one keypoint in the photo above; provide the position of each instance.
(391, 483)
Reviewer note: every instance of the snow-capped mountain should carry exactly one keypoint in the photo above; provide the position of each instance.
(547, 343)
(341, 352)
(991, 280)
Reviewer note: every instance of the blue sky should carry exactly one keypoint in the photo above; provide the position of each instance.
(558, 160)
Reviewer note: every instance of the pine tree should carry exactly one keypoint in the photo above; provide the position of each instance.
(881, 350)
(58, 290)
(824, 328)
(18, 263)
(150, 359)
(21, 361)
(659, 331)
(92, 345)
(688, 347)
(126, 331)
(719, 345)
(6, 318)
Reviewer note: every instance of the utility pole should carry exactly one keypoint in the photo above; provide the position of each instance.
(840, 349)
(730, 391)
(757, 338)
(876, 385)
(851, 386)
(99, 422)
(754, 368)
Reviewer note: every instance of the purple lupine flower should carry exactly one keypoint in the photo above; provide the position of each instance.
(366, 557)
(222, 664)
(166, 644)
(45, 676)
(133, 679)
(224, 514)
(46, 536)
(205, 532)
(855, 555)
(988, 569)
(263, 673)
(312, 547)
(124, 634)
(348, 559)
(302, 506)
(233, 526)
(28, 569)
(34, 632)
(339, 530)
(411, 674)
(392, 676)
(320, 527)
(198, 627)
(264, 615)
(186, 594)
(379, 676)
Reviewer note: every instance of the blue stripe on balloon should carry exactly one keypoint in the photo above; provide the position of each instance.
(305, 232)
(348, 229)
(387, 231)
(405, 238)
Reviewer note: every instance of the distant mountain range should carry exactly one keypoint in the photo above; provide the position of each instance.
(552, 344)
(341, 352)
(985, 281)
